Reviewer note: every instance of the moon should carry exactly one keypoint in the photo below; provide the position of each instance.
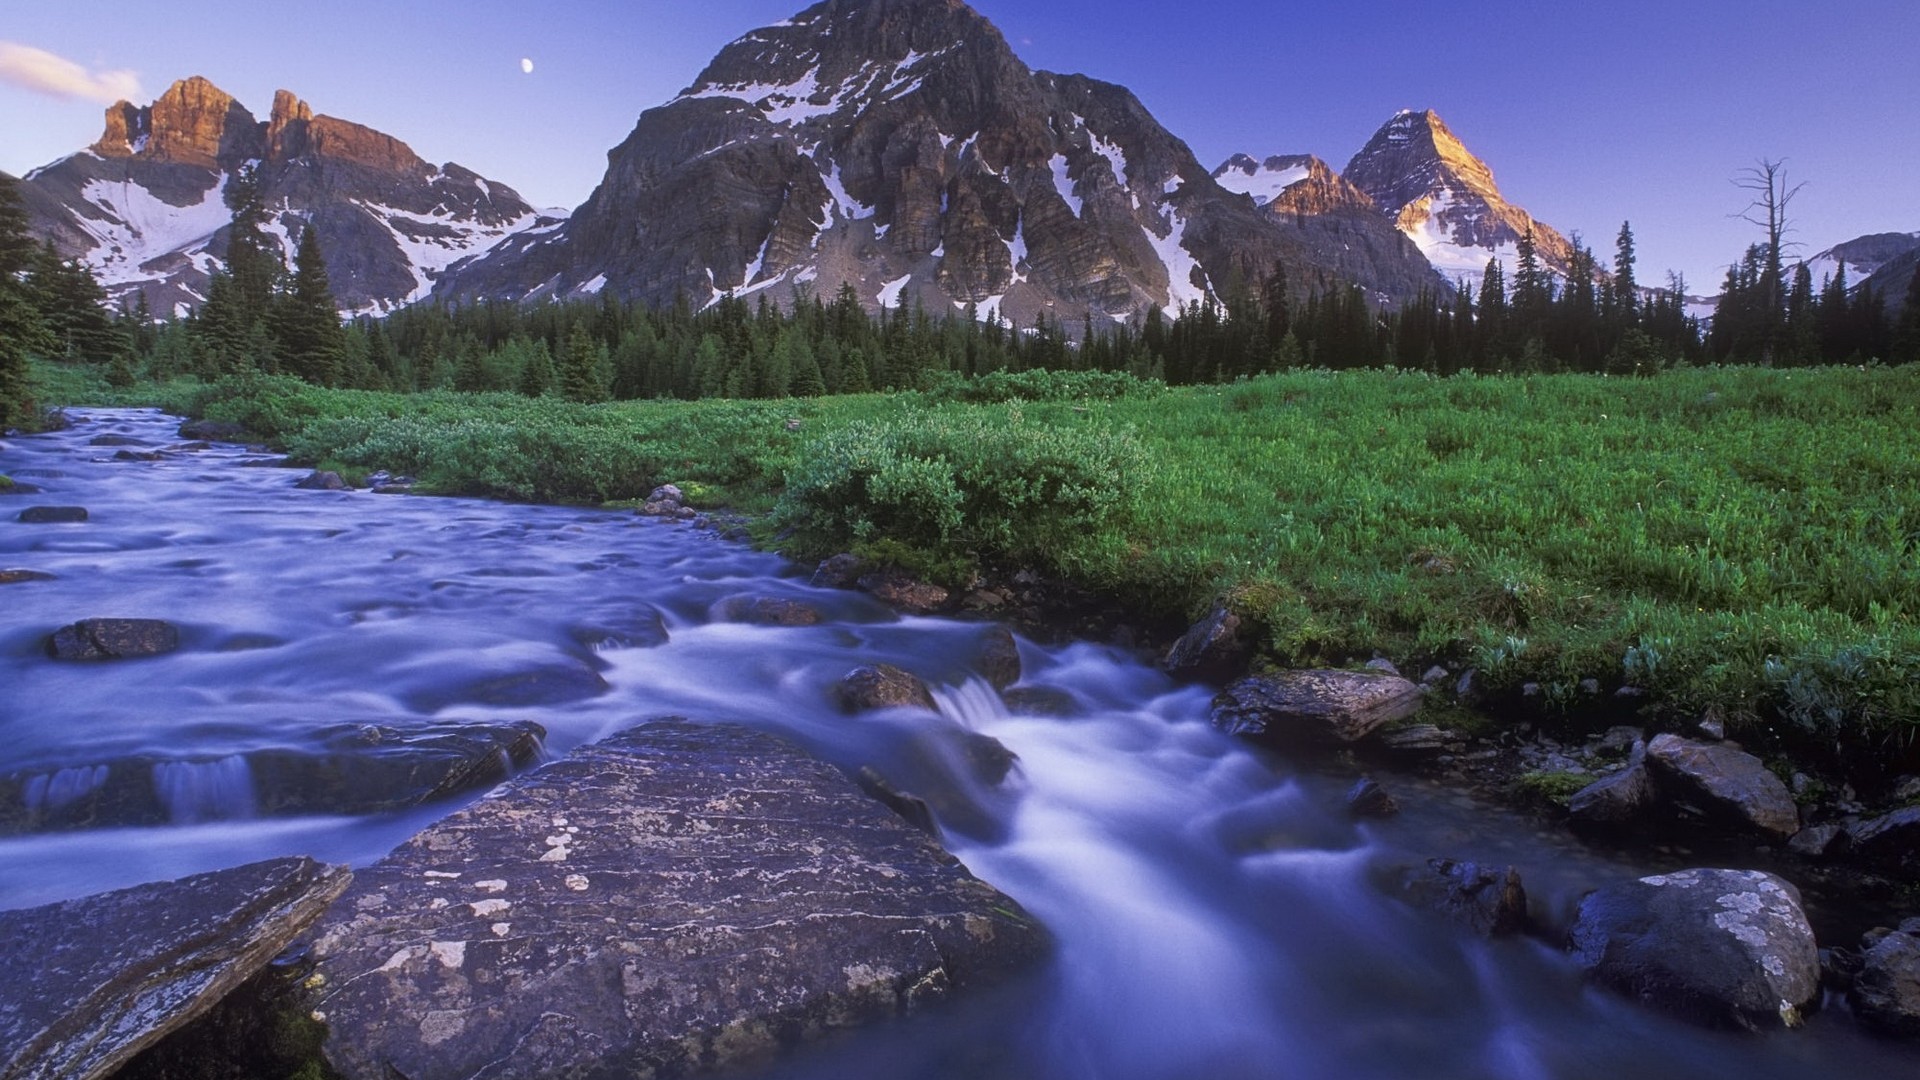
(526, 65)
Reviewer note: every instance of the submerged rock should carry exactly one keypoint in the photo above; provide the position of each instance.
(768, 611)
(213, 431)
(1485, 901)
(676, 898)
(1728, 784)
(17, 577)
(552, 684)
(641, 628)
(881, 686)
(53, 515)
(1886, 990)
(353, 769)
(92, 982)
(1368, 799)
(1295, 707)
(1723, 947)
(113, 639)
(999, 658)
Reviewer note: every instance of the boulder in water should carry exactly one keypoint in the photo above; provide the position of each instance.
(16, 577)
(53, 515)
(1724, 947)
(550, 684)
(905, 592)
(677, 898)
(1886, 990)
(843, 571)
(640, 628)
(768, 611)
(1617, 802)
(113, 639)
(1726, 783)
(92, 982)
(1307, 707)
(1367, 799)
(882, 686)
(213, 431)
(1488, 902)
(114, 440)
(322, 481)
(999, 659)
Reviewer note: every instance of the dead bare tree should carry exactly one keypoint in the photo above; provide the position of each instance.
(1767, 180)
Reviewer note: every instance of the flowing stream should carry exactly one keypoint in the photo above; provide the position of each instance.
(1215, 909)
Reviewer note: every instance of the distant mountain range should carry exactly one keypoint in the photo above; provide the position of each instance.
(897, 146)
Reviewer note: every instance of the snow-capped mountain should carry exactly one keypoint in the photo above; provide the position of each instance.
(1445, 199)
(1861, 257)
(144, 206)
(902, 147)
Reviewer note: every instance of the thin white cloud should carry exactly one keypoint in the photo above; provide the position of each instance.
(56, 76)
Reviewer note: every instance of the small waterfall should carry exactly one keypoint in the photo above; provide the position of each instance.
(55, 791)
(197, 791)
(973, 705)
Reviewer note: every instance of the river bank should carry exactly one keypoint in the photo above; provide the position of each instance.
(1163, 853)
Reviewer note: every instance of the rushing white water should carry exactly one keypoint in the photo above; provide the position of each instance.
(1217, 915)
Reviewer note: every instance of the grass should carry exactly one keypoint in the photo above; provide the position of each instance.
(1737, 539)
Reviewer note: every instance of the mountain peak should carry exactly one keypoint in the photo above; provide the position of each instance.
(194, 123)
(1443, 197)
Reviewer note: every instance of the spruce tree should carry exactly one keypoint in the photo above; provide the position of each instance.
(1906, 331)
(306, 322)
(536, 378)
(1624, 290)
(580, 367)
(21, 330)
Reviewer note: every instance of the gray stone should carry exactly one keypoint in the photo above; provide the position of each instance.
(999, 658)
(92, 982)
(322, 481)
(1619, 801)
(641, 628)
(1817, 841)
(1486, 901)
(114, 440)
(905, 592)
(1417, 740)
(1294, 707)
(1382, 665)
(1211, 646)
(113, 639)
(213, 431)
(1470, 688)
(1723, 947)
(678, 897)
(1730, 785)
(1368, 799)
(1434, 676)
(1889, 836)
(767, 611)
(53, 515)
(350, 769)
(1041, 701)
(1886, 991)
(882, 686)
(912, 808)
(668, 493)
(17, 577)
(551, 684)
(843, 571)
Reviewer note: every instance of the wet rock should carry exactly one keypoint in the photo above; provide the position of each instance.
(17, 487)
(1886, 989)
(911, 808)
(113, 639)
(138, 455)
(219, 431)
(1722, 947)
(1368, 799)
(555, 684)
(1818, 841)
(53, 515)
(676, 898)
(322, 481)
(1210, 648)
(114, 440)
(16, 577)
(1296, 707)
(1482, 900)
(1728, 784)
(905, 592)
(1889, 836)
(642, 628)
(987, 758)
(881, 686)
(191, 447)
(843, 571)
(350, 769)
(92, 982)
(1470, 688)
(1617, 802)
(768, 611)
(1040, 701)
(1382, 665)
(1417, 740)
(668, 493)
(1434, 676)
(999, 658)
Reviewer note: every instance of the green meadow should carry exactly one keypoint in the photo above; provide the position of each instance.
(1731, 541)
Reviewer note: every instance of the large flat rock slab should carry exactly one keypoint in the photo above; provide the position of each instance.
(92, 982)
(676, 897)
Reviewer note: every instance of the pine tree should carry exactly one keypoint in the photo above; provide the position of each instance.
(1624, 291)
(240, 295)
(536, 378)
(580, 367)
(21, 330)
(73, 307)
(306, 320)
(1906, 332)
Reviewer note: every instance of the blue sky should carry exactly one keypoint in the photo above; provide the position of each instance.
(1589, 113)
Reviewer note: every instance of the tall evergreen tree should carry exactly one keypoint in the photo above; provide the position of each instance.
(580, 366)
(21, 330)
(306, 321)
(1906, 330)
(1623, 289)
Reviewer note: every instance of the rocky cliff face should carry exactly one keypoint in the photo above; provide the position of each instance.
(1444, 198)
(144, 205)
(1862, 257)
(901, 146)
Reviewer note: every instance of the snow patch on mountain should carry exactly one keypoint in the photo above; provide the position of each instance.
(139, 227)
(433, 242)
(1265, 181)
